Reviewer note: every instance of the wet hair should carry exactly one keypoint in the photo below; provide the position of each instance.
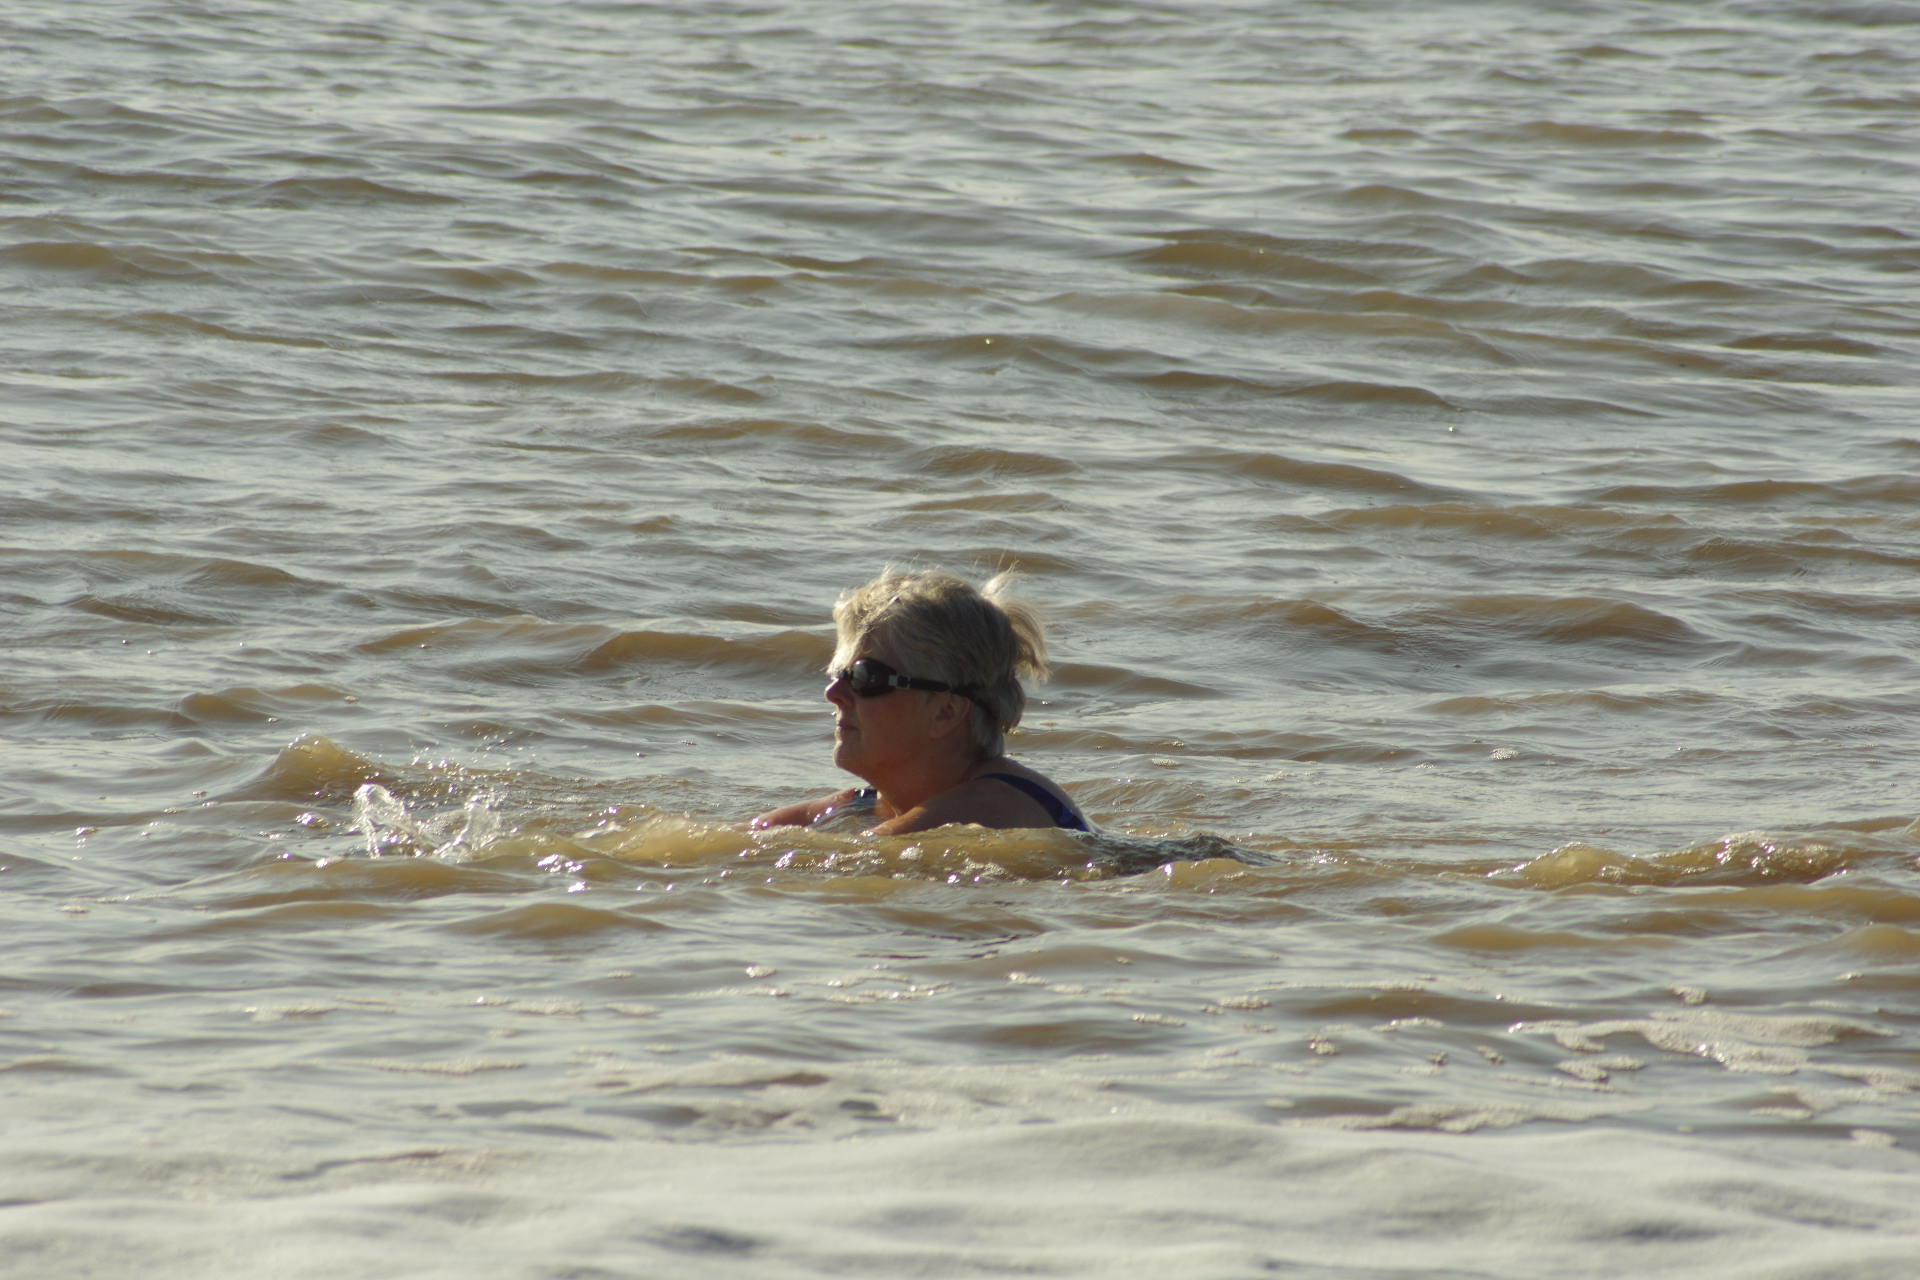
(939, 626)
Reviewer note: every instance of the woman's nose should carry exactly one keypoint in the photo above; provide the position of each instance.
(837, 692)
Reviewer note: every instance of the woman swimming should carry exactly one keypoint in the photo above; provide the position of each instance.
(925, 683)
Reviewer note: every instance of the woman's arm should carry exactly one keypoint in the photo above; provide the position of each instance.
(804, 813)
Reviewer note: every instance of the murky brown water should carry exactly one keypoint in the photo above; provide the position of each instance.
(1467, 458)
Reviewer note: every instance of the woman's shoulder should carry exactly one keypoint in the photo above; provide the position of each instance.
(1005, 779)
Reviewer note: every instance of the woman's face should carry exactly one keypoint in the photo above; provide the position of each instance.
(870, 733)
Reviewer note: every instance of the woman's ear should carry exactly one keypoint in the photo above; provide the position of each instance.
(954, 713)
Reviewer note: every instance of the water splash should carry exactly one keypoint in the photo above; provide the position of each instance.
(391, 829)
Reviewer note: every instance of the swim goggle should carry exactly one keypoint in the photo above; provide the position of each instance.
(869, 678)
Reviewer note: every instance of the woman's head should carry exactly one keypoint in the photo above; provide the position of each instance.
(937, 626)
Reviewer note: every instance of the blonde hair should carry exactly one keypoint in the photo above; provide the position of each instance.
(981, 641)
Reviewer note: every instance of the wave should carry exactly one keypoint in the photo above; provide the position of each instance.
(127, 262)
(1310, 474)
(1900, 492)
(1745, 859)
(513, 831)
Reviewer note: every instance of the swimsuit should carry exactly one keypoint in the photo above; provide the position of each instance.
(1059, 810)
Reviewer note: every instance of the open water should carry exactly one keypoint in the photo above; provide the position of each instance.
(1466, 452)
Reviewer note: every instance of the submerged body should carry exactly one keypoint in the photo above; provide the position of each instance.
(977, 798)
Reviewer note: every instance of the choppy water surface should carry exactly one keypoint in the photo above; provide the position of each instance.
(1466, 455)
